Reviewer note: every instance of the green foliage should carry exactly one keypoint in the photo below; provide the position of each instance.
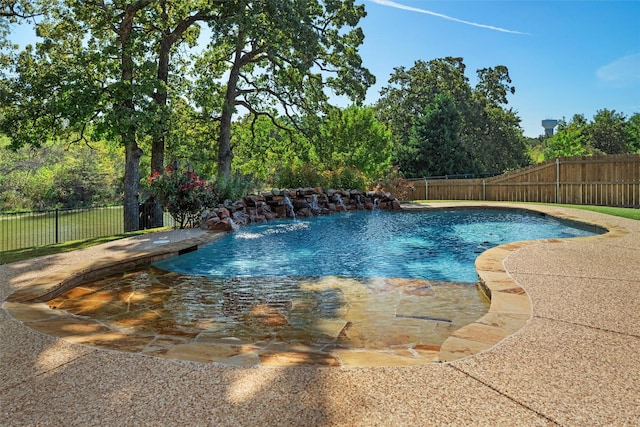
(607, 133)
(500, 145)
(353, 139)
(280, 55)
(410, 90)
(489, 134)
(344, 178)
(233, 188)
(296, 174)
(434, 142)
(54, 176)
(115, 71)
(300, 174)
(261, 148)
(632, 130)
(346, 149)
(184, 194)
(190, 139)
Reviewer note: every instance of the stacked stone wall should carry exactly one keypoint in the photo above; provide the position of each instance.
(293, 203)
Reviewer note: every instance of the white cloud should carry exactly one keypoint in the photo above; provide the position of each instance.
(621, 72)
(440, 15)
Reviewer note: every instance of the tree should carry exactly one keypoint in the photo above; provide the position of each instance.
(632, 130)
(411, 90)
(490, 133)
(55, 175)
(261, 148)
(173, 24)
(606, 133)
(353, 138)
(569, 139)
(494, 84)
(434, 143)
(104, 71)
(12, 12)
(88, 75)
(280, 53)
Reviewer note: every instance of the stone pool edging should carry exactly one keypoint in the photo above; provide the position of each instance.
(510, 308)
(55, 283)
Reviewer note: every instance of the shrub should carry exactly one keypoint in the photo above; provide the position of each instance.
(345, 178)
(297, 174)
(306, 175)
(234, 187)
(393, 182)
(183, 194)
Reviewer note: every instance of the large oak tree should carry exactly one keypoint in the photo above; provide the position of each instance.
(280, 57)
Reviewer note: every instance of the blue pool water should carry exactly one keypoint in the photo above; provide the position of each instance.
(435, 245)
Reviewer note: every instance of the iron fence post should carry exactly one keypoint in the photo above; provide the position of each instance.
(57, 228)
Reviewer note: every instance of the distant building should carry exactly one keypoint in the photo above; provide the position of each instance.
(548, 126)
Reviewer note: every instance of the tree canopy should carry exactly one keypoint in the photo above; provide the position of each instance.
(103, 70)
(609, 132)
(489, 133)
(280, 58)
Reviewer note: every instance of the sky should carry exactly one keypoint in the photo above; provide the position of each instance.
(564, 57)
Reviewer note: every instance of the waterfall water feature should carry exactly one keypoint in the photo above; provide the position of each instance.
(340, 202)
(376, 203)
(290, 211)
(314, 203)
(358, 201)
(234, 226)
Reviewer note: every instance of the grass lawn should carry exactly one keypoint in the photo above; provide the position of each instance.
(622, 212)
(8, 257)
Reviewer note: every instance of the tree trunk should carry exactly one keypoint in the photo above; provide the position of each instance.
(126, 113)
(133, 153)
(225, 155)
(160, 98)
(168, 39)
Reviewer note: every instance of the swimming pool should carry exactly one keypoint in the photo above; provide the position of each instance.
(352, 289)
(435, 245)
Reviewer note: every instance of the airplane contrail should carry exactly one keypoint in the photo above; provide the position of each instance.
(450, 18)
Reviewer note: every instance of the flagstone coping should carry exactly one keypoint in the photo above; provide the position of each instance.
(510, 306)
(509, 311)
(53, 284)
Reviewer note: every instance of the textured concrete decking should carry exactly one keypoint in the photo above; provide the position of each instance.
(576, 361)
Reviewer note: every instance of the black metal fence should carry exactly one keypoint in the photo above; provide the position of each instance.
(40, 228)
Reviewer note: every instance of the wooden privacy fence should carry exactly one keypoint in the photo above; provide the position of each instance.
(612, 180)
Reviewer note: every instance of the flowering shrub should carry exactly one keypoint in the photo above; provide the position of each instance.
(183, 194)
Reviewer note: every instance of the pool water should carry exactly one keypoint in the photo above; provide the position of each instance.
(440, 245)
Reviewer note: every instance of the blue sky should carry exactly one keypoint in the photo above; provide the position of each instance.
(564, 57)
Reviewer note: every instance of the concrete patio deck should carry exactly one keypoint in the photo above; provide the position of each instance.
(576, 361)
